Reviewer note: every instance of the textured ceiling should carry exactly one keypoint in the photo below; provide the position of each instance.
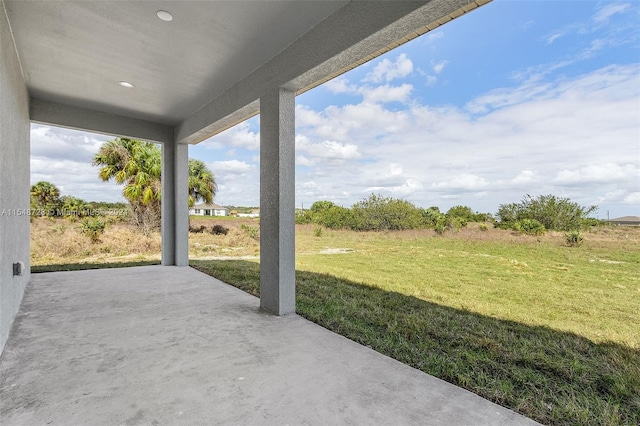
(75, 52)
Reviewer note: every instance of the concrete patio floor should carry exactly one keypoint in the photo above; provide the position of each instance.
(160, 345)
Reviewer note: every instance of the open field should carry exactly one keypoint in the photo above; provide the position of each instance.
(545, 329)
(59, 241)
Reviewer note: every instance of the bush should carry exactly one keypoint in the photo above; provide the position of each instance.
(320, 206)
(304, 217)
(378, 213)
(462, 212)
(574, 238)
(529, 227)
(335, 217)
(317, 231)
(252, 231)
(219, 230)
(197, 229)
(441, 224)
(430, 216)
(93, 227)
(555, 214)
(483, 227)
(457, 223)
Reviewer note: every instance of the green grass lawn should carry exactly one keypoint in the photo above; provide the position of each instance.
(547, 330)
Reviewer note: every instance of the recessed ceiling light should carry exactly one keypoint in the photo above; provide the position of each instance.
(164, 15)
(126, 84)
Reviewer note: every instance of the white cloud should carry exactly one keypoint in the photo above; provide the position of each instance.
(525, 177)
(598, 174)
(609, 10)
(234, 167)
(338, 85)
(462, 182)
(553, 37)
(406, 188)
(64, 156)
(633, 198)
(386, 70)
(239, 136)
(330, 150)
(439, 66)
(433, 37)
(386, 93)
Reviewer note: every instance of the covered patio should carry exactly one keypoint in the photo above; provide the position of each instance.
(167, 344)
(162, 345)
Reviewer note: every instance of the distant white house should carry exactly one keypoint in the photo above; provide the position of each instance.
(625, 221)
(209, 210)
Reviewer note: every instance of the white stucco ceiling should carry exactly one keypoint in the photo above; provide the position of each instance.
(213, 59)
(78, 51)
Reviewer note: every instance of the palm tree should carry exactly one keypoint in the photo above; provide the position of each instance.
(45, 195)
(137, 165)
(74, 207)
(202, 183)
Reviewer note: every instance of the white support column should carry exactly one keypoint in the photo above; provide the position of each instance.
(175, 210)
(277, 202)
(181, 204)
(168, 203)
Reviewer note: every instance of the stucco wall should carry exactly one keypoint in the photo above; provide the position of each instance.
(14, 180)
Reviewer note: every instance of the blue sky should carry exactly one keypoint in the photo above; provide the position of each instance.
(515, 98)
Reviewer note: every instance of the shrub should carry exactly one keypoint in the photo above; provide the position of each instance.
(378, 213)
(555, 214)
(507, 215)
(304, 217)
(93, 227)
(219, 230)
(574, 238)
(197, 229)
(483, 227)
(430, 216)
(441, 224)
(529, 227)
(335, 217)
(320, 206)
(317, 231)
(463, 212)
(252, 231)
(456, 223)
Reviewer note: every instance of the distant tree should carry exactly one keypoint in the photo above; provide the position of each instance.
(378, 213)
(507, 215)
(320, 206)
(554, 213)
(45, 196)
(462, 212)
(202, 184)
(432, 216)
(73, 207)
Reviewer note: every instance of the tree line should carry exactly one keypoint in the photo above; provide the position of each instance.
(532, 215)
